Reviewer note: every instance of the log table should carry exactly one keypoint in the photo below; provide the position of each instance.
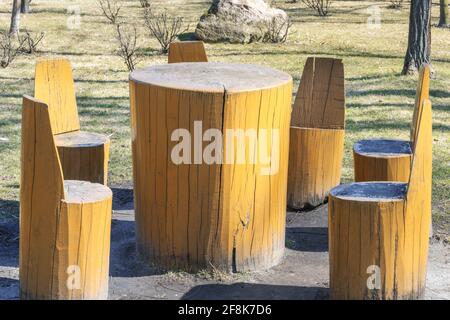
(210, 151)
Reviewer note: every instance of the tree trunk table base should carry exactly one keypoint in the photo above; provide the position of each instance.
(222, 207)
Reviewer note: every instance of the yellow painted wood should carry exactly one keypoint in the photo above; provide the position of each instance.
(191, 216)
(317, 133)
(53, 85)
(64, 225)
(83, 155)
(384, 229)
(187, 51)
(316, 170)
(381, 166)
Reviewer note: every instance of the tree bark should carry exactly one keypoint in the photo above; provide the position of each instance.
(419, 38)
(15, 17)
(444, 16)
(25, 6)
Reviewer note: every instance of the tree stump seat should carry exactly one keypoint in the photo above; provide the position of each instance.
(389, 159)
(317, 133)
(83, 155)
(379, 231)
(64, 224)
(382, 160)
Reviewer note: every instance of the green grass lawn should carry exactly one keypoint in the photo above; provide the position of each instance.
(379, 100)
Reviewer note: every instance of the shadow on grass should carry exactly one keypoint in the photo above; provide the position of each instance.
(252, 291)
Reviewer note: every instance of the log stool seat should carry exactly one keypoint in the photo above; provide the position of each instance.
(317, 133)
(382, 160)
(390, 160)
(378, 231)
(83, 155)
(64, 224)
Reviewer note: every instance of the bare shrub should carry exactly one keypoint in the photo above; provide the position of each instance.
(128, 48)
(32, 42)
(110, 9)
(322, 7)
(277, 30)
(145, 3)
(395, 4)
(11, 45)
(164, 27)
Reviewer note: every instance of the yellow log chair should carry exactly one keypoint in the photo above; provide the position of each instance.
(378, 231)
(317, 133)
(64, 224)
(84, 155)
(390, 159)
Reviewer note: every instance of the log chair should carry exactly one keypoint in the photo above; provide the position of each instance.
(389, 159)
(187, 51)
(84, 155)
(64, 225)
(317, 133)
(378, 231)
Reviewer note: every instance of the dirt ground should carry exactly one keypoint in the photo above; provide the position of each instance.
(302, 275)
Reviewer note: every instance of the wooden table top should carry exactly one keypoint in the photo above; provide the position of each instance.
(211, 77)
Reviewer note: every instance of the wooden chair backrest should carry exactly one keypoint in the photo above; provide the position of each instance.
(320, 99)
(422, 93)
(187, 51)
(41, 192)
(54, 86)
(415, 231)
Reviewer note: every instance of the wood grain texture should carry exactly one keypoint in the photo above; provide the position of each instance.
(315, 161)
(187, 51)
(84, 156)
(199, 215)
(384, 226)
(317, 133)
(320, 99)
(53, 85)
(62, 223)
(391, 162)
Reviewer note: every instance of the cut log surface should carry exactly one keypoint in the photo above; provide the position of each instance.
(382, 160)
(383, 147)
(229, 215)
(80, 139)
(84, 192)
(371, 191)
(84, 156)
(211, 77)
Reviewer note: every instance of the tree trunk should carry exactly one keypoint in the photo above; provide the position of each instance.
(25, 6)
(444, 16)
(419, 39)
(15, 17)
